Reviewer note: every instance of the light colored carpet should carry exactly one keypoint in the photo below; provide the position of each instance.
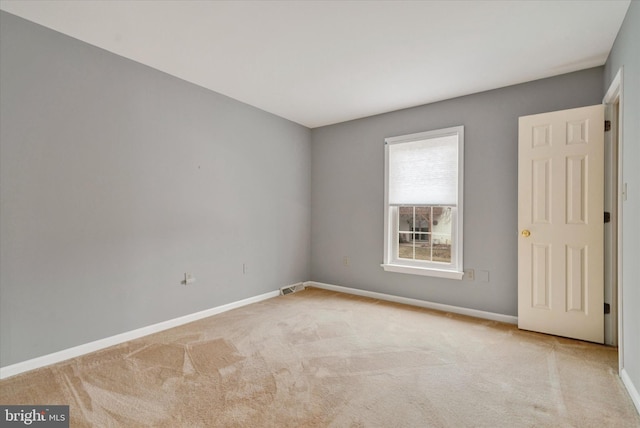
(324, 359)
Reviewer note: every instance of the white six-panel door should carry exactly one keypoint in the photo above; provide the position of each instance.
(560, 221)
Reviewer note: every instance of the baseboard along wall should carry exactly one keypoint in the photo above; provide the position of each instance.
(97, 345)
(509, 319)
(631, 388)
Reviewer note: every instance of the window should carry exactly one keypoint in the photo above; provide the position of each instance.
(423, 203)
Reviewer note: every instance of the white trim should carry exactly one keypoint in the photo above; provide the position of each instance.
(436, 133)
(631, 389)
(416, 270)
(615, 89)
(610, 229)
(97, 345)
(616, 93)
(509, 319)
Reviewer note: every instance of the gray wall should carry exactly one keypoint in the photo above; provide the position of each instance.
(347, 191)
(116, 179)
(626, 53)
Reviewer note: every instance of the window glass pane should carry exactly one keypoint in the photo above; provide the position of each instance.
(405, 246)
(442, 220)
(422, 221)
(442, 234)
(425, 233)
(441, 250)
(423, 249)
(405, 219)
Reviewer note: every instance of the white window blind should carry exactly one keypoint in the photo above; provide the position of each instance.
(424, 172)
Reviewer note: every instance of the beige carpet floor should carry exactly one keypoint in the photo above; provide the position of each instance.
(323, 359)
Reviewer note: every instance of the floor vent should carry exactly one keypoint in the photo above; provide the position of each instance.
(291, 289)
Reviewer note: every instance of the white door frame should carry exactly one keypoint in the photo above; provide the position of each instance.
(613, 97)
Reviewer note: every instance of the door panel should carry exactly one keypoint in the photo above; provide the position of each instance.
(560, 217)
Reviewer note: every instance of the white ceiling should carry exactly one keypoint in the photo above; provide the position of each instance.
(323, 62)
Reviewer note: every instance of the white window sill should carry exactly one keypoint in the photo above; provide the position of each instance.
(413, 270)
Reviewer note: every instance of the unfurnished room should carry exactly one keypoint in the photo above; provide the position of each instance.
(320, 213)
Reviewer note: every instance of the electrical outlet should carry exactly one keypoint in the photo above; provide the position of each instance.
(188, 278)
(245, 269)
(345, 260)
(469, 274)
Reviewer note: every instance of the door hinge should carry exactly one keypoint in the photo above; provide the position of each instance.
(607, 125)
(607, 308)
(607, 217)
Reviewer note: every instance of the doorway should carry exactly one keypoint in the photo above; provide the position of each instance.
(614, 194)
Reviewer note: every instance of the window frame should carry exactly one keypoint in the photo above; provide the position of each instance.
(392, 263)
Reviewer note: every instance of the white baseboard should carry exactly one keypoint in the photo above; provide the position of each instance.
(631, 388)
(509, 319)
(97, 345)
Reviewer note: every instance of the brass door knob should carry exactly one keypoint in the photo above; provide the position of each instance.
(525, 233)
